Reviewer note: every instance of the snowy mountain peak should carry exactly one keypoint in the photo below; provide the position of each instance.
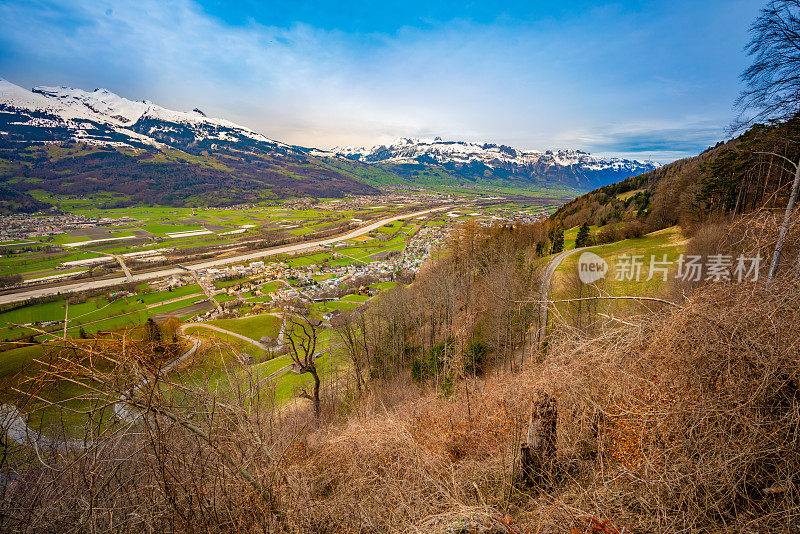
(410, 149)
(114, 118)
(116, 109)
(60, 114)
(468, 158)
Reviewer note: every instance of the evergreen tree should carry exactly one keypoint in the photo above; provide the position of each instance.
(558, 241)
(582, 239)
(152, 332)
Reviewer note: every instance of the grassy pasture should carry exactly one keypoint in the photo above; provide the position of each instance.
(667, 242)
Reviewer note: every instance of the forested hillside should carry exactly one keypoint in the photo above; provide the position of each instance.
(732, 178)
(167, 177)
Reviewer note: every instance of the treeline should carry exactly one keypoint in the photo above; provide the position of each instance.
(732, 178)
(13, 201)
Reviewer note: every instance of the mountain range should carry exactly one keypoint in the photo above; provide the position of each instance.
(72, 142)
(573, 168)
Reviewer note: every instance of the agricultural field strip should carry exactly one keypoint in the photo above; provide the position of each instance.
(352, 257)
(71, 320)
(157, 305)
(95, 241)
(147, 307)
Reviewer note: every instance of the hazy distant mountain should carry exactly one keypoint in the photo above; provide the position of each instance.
(73, 142)
(572, 168)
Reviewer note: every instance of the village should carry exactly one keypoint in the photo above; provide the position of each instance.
(237, 290)
(15, 227)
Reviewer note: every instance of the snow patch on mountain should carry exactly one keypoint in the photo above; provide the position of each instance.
(81, 111)
(111, 108)
(421, 150)
(15, 97)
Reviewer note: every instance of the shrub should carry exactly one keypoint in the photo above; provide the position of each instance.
(475, 356)
(608, 234)
(634, 229)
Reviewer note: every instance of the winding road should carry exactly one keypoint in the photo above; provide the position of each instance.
(14, 423)
(75, 287)
(258, 344)
(547, 281)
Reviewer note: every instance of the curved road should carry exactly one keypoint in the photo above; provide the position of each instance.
(547, 280)
(143, 277)
(277, 347)
(14, 423)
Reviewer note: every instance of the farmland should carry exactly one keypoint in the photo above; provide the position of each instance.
(248, 300)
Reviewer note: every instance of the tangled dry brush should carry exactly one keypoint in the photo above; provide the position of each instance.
(683, 419)
(686, 422)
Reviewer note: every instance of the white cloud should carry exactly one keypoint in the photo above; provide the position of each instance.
(530, 85)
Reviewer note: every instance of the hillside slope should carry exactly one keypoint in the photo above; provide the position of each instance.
(72, 142)
(731, 178)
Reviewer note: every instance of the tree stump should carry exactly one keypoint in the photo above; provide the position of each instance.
(538, 452)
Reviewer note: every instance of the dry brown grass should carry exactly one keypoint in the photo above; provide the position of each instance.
(685, 423)
(683, 420)
(697, 413)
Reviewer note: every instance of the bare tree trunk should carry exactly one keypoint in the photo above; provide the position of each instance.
(538, 453)
(313, 371)
(776, 257)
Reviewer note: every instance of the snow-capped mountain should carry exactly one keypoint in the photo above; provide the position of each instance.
(102, 117)
(572, 167)
(75, 142)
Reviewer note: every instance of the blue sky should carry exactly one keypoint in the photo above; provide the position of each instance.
(643, 79)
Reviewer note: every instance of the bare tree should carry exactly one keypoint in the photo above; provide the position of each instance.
(302, 339)
(773, 86)
(352, 330)
(772, 82)
(776, 256)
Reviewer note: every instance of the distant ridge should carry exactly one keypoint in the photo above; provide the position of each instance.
(73, 142)
(574, 168)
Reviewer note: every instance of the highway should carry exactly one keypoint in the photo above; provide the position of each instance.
(76, 287)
